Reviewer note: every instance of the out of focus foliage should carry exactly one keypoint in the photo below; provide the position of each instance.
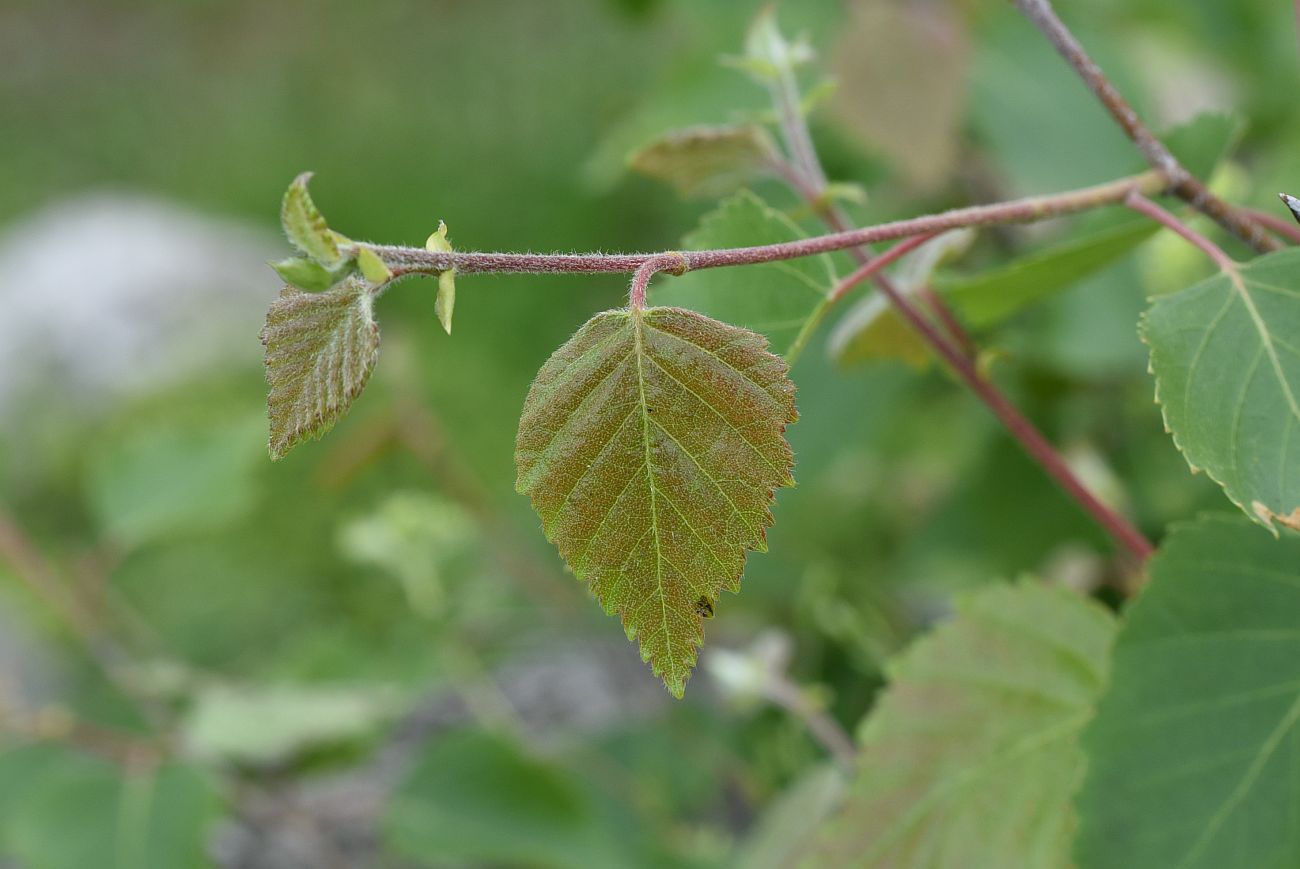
(366, 654)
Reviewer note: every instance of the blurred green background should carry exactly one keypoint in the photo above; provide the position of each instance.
(367, 654)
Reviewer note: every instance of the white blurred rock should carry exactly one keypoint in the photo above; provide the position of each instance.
(107, 294)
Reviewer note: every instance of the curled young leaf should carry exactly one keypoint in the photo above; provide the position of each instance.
(320, 350)
(707, 161)
(305, 225)
(650, 444)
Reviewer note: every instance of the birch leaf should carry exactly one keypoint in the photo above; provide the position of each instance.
(971, 757)
(1194, 753)
(305, 225)
(320, 350)
(650, 444)
(708, 161)
(783, 300)
(1227, 365)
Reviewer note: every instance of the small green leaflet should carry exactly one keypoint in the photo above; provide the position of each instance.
(650, 444)
(445, 303)
(320, 350)
(971, 757)
(305, 225)
(1226, 358)
(1194, 750)
(708, 161)
(783, 300)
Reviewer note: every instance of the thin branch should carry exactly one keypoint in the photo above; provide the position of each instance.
(1181, 182)
(411, 260)
(1283, 227)
(956, 346)
(1145, 206)
(947, 319)
(821, 726)
(872, 267)
(40, 578)
(1031, 440)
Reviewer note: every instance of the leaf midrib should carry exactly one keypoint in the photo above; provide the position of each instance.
(637, 316)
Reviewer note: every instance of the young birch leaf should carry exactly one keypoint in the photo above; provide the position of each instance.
(305, 274)
(1227, 365)
(372, 267)
(782, 300)
(306, 227)
(650, 444)
(445, 303)
(708, 161)
(1194, 751)
(320, 350)
(970, 759)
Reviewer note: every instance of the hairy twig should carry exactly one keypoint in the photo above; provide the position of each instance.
(403, 261)
(1181, 182)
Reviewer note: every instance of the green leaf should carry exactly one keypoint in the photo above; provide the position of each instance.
(373, 269)
(782, 300)
(1227, 365)
(306, 274)
(768, 54)
(872, 329)
(1193, 753)
(78, 811)
(306, 227)
(788, 824)
(475, 799)
(708, 161)
(412, 536)
(163, 478)
(990, 297)
(971, 757)
(650, 444)
(320, 350)
(445, 302)
(263, 725)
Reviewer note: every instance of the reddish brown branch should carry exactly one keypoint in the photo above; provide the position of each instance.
(1181, 182)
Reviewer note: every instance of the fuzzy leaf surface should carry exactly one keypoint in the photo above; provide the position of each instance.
(1194, 751)
(970, 759)
(1226, 358)
(306, 226)
(650, 444)
(707, 161)
(782, 300)
(320, 350)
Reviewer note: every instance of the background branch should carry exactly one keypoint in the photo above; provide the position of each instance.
(1181, 182)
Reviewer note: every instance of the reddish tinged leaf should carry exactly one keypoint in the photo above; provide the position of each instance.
(650, 444)
(320, 350)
